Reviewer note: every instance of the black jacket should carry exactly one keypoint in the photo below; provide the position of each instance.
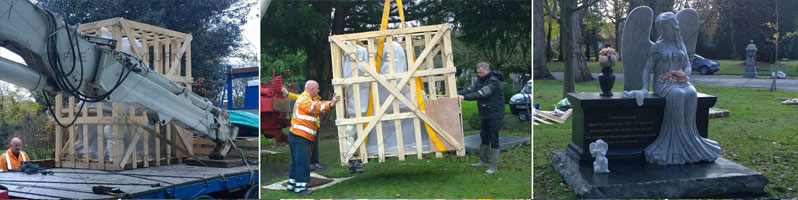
(489, 93)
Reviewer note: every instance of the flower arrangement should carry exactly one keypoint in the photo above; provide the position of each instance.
(607, 56)
(674, 76)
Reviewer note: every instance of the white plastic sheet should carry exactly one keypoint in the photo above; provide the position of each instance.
(388, 127)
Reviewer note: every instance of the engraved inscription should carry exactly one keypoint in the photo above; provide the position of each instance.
(627, 130)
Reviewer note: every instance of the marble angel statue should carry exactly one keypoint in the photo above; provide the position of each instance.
(678, 141)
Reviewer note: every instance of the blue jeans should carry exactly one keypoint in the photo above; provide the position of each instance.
(314, 156)
(299, 169)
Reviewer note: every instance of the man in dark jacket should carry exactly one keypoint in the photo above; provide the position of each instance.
(489, 93)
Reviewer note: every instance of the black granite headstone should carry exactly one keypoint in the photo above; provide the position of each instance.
(625, 126)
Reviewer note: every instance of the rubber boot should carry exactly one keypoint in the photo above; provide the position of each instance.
(483, 156)
(494, 161)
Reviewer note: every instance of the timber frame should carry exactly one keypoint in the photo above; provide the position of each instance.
(432, 68)
(165, 51)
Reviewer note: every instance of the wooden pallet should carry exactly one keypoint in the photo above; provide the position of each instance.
(165, 51)
(432, 68)
(542, 116)
(718, 113)
(224, 163)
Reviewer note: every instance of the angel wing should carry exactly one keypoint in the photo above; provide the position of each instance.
(688, 29)
(599, 145)
(635, 46)
(593, 149)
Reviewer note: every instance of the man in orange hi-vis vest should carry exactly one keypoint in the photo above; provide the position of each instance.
(14, 156)
(303, 131)
(314, 149)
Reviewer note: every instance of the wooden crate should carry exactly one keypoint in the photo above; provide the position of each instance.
(249, 145)
(432, 68)
(166, 52)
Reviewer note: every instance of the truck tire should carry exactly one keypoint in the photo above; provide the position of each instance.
(252, 192)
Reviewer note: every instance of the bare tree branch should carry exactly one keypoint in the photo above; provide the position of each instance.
(551, 11)
(586, 5)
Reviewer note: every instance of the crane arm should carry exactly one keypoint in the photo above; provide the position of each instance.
(61, 59)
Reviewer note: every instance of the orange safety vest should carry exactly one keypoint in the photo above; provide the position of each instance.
(9, 161)
(304, 122)
(294, 96)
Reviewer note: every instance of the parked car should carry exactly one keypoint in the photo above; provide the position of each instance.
(520, 103)
(704, 66)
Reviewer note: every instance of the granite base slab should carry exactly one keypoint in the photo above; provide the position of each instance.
(637, 179)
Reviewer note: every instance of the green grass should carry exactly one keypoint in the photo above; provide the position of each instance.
(430, 177)
(760, 134)
(734, 67)
(265, 142)
(727, 67)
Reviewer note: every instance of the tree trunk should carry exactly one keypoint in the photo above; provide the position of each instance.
(596, 49)
(588, 48)
(548, 42)
(569, 49)
(561, 55)
(618, 35)
(581, 72)
(596, 46)
(541, 71)
(318, 59)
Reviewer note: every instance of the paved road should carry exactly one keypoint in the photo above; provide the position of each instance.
(726, 80)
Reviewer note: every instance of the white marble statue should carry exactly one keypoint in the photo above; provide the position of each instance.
(678, 141)
(599, 150)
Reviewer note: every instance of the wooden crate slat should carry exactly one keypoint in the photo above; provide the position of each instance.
(125, 156)
(435, 42)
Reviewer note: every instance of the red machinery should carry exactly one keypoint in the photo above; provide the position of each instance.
(3, 192)
(272, 121)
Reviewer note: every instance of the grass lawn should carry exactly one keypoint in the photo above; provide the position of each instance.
(727, 67)
(760, 134)
(430, 177)
(734, 67)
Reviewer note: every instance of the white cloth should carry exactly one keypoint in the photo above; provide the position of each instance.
(639, 95)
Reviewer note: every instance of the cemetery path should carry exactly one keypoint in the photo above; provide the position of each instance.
(724, 80)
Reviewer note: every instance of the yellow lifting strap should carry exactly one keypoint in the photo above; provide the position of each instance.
(419, 83)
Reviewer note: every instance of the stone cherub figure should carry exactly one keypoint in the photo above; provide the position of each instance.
(678, 141)
(599, 150)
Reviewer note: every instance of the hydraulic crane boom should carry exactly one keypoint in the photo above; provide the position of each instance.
(61, 59)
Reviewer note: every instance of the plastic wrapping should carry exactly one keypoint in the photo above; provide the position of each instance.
(388, 127)
(112, 137)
